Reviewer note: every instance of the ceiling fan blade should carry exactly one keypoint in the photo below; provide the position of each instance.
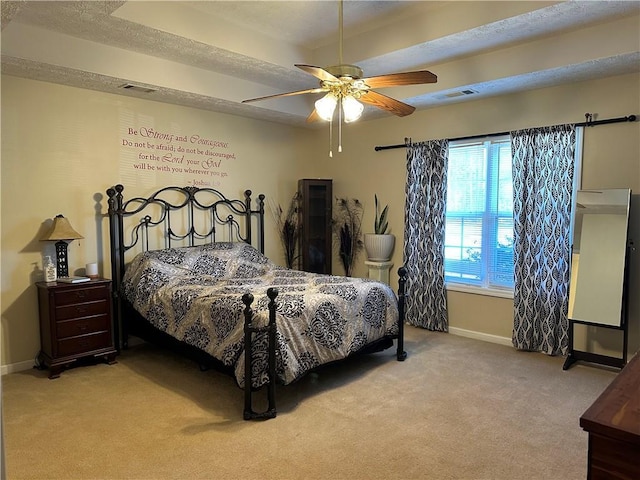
(387, 103)
(398, 79)
(288, 94)
(317, 72)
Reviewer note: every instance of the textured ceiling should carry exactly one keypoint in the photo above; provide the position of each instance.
(214, 54)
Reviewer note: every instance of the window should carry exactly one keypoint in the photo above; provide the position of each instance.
(479, 215)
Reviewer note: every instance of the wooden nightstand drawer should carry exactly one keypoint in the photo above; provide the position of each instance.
(81, 295)
(81, 310)
(84, 344)
(83, 326)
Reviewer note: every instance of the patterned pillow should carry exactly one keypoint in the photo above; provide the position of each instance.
(219, 260)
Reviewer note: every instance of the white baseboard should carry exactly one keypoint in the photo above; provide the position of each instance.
(16, 367)
(486, 337)
(27, 364)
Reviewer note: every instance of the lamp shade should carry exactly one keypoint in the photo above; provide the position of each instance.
(326, 106)
(352, 109)
(61, 230)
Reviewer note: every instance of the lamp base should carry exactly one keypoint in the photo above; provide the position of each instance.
(61, 259)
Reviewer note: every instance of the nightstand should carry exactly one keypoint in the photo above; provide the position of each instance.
(75, 323)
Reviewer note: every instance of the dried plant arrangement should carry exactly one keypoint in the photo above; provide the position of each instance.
(288, 228)
(347, 227)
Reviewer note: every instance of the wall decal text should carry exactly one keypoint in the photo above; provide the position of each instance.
(195, 159)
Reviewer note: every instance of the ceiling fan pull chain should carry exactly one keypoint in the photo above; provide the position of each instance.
(331, 137)
(340, 126)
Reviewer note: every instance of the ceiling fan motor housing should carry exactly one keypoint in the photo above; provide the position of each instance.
(351, 71)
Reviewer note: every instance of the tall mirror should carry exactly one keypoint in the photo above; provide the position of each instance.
(598, 266)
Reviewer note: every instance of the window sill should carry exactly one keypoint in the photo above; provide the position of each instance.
(491, 292)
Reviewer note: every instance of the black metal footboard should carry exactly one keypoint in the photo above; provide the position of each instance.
(249, 330)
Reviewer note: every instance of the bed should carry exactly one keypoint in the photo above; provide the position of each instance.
(189, 274)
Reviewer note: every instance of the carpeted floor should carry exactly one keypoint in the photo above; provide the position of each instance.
(457, 408)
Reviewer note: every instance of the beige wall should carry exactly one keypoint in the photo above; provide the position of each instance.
(611, 159)
(61, 150)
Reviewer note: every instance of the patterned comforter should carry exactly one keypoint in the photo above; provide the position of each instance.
(195, 295)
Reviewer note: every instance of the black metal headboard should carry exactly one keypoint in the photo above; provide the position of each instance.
(176, 216)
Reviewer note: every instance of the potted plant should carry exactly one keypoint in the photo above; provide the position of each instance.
(379, 245)
(347, 227)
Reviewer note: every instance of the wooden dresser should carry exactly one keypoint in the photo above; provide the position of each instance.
(75, 323)
(613, 424)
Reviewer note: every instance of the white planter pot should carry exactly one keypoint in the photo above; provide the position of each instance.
(379, 247)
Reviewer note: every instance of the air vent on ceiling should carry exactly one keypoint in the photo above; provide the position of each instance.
(460, 93)
(137, 88)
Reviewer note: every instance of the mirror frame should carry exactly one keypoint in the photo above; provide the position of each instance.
(598, 287)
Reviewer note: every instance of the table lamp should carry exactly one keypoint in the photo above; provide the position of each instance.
(62, 231)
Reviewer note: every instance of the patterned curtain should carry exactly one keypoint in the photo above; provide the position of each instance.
(426, 195)
(543, 166)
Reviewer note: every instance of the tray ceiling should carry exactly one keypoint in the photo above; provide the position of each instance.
(214, 54)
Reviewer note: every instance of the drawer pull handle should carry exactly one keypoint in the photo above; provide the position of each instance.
(83, 328)
(81, 294)
(81, 309)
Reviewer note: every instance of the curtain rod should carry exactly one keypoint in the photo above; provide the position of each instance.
(588, 123)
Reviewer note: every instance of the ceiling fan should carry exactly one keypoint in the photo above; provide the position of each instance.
(345, 85)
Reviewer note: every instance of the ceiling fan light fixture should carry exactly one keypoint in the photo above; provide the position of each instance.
(345, 83)
(326, 106)
(351, 108)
